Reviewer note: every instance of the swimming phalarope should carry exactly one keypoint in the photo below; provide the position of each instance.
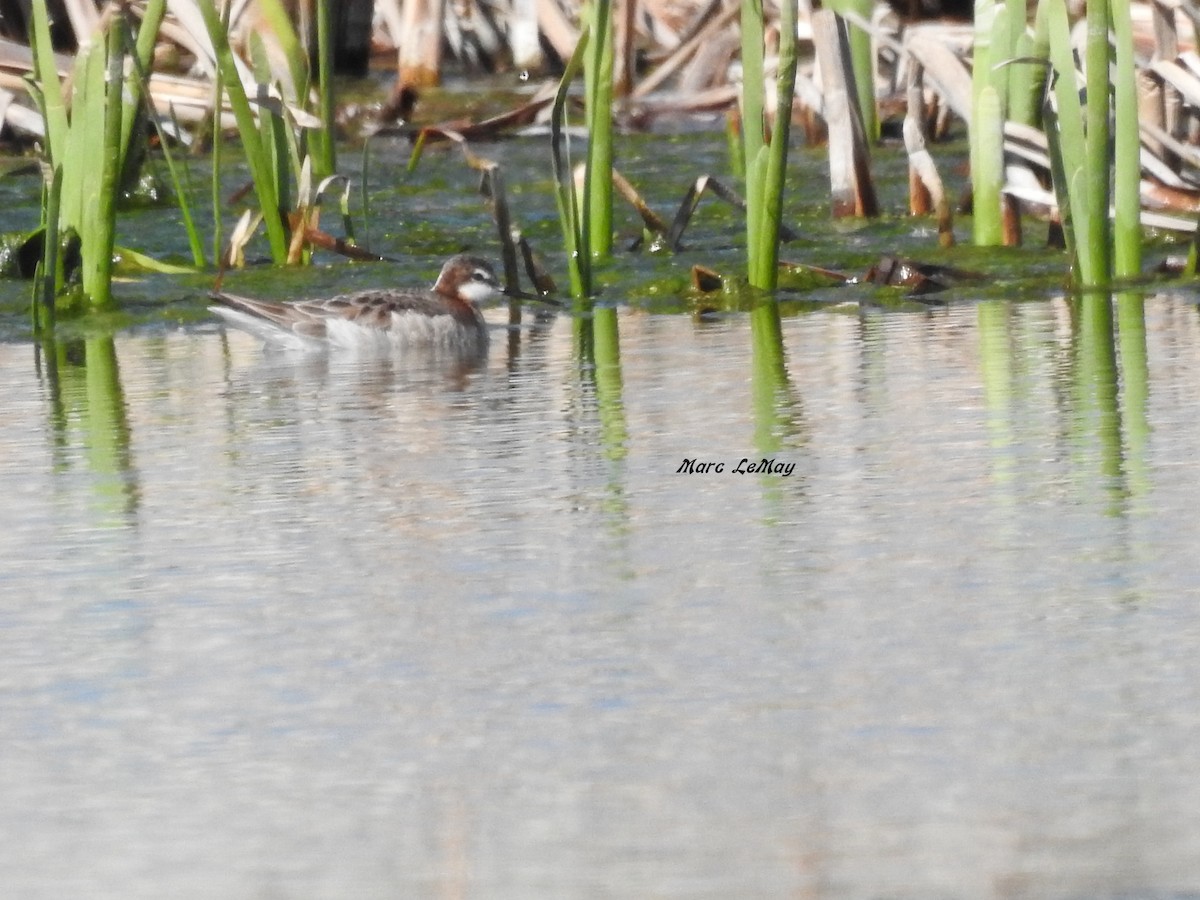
(444, 317)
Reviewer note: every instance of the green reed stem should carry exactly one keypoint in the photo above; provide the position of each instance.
(575, 227)
(1127, 222)
(45, 70)
(257, 155)
(987, 167)
(1027, 82)
(283, 32)
(1069, 153)
(143, 59)
(324, 150)
(752, 113)
(218, 115)
(862, 60)
(99, 234)
(181, 186)
(598, 94)
(766, 162)
(989, 105)
(606, 348)
(49, 276)
(364, 197)
(769, 378)
(1098, 169)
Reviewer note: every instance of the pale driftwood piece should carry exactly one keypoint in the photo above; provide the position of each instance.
(1158, 198)
(419, 57)
(809, 94)
(1166, 34)
(84, 19)
(920, 198)
(191, 98)
(1163, 189)
(471, 33)
(663, 104)
(24, 119)
(852, 192)
(673, 38)
(238, 9)
(711, 63)
(1018, 182)
(1150, 107)
(687, 49)
(190, 101)
(1185, 152)
(556, 29)
(624, 31)
(944, 69)
(523, 42)
(393, 20)
(194, 38)
(1181, 86)
(925, 184)
(171, 30)
(18, 59)
(191, 34)
(652, 221)
(881, 36)
(1168, 223)
(1027, 143)
(707, 183)
(6, 102)
(808, 108)
(1189, 60)
(1149, 218)
(1162, 172)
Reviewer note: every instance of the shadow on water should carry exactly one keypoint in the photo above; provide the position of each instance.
(88, 414)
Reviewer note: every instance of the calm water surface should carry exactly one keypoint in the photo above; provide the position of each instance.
(331, 628)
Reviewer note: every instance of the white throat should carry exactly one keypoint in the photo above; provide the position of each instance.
(476, 291)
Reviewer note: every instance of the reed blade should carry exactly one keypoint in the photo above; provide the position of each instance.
(766, 160)
(1098, 155)
(574, 225)
(598, 94)
(257, 155)
(1127, 148)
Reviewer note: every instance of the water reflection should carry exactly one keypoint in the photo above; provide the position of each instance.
(777, 411)
(776, 407)
(606, 345)
(598, 361)
(1135, 385)
(470, 632)
(1097, 416)
(88, 413)
(1101, 384)
(996, 369)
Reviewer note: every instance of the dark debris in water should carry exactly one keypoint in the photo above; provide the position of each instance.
(919, 278)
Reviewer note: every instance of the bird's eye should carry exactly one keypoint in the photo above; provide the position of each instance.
(479, 275)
